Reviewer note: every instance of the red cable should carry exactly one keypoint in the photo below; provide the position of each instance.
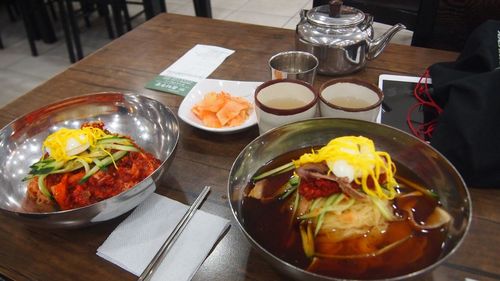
(424, 99)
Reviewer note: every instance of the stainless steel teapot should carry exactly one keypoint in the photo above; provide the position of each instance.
(341, 37)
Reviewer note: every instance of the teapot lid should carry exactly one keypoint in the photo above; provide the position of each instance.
(335, 15)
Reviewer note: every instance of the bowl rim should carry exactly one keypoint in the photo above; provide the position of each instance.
(354, 81)
(410, 275)
(285, 112)
(75, 100)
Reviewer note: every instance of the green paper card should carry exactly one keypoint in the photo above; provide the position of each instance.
(172, 85)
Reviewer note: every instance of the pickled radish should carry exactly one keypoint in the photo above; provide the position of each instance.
(218, 110)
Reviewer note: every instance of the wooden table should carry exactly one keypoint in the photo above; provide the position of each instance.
(127, 64)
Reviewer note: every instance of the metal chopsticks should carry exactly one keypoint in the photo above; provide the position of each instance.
(155, 262)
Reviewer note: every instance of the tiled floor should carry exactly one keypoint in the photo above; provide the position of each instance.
(20, 72)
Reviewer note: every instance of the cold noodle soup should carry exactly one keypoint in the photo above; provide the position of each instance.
(345, 210)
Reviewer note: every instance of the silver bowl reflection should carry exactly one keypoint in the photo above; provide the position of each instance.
(404, 148)
(153, 126)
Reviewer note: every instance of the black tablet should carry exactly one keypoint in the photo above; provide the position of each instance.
(398, 99)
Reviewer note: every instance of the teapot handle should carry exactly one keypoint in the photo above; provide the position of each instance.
(367, 23)
(303, 19)
(303, 14)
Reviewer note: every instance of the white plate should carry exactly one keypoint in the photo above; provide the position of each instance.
(235, 88)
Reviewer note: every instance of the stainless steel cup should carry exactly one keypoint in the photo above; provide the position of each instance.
(294, 65)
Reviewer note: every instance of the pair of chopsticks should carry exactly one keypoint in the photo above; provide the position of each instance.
(155, 262)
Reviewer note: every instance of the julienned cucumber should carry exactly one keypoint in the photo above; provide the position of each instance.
(42, 187)
(103, 164)
(99, 154)
(45, 167)
(281, 169)
(114, 139)
(120, 147)
(51, 166)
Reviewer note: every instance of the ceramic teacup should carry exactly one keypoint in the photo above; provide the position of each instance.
(350, 98)
(279, 102)
(294, 65)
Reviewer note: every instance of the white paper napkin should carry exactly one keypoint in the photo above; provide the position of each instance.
(133, 244)
(195, 65)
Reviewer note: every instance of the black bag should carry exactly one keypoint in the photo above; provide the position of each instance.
(468, 91)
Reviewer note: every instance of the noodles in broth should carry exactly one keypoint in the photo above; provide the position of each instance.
(342, 211)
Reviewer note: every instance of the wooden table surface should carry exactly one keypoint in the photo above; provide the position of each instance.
(127, 64)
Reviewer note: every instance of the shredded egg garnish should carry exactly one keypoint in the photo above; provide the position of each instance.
(65, 144)
(355, 158)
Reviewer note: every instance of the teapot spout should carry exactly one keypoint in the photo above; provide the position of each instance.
(377, 45)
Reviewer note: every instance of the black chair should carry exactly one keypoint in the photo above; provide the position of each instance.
(388, 11)
(121, 17)
(69, 18)
(439, 24)
(150, 9)
(202, 8)
(38, 24)
(453, 22)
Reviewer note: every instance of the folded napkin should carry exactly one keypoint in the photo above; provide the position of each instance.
(133, 244)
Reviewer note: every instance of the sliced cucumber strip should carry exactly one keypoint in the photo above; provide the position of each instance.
(42, 187)
(120, 147)
(103, 163)
(276, 171)
(115, 139)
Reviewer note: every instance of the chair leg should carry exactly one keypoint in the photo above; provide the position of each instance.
(126, 15)
(153, 7)
(75, 30)
(163, 6)
(42, 23)
(12, 10)
(86, 10)
(50, 3)
(104, 12)
(203, 8)
(28, 26)
(117, 16)
(1, 43)
(67, 35)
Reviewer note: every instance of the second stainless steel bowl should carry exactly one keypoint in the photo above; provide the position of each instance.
(153, 126)
(435, 170)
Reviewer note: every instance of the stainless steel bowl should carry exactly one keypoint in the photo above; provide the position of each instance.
(409, 151)
(153, 126)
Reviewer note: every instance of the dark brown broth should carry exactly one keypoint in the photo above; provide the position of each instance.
(269, 225)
